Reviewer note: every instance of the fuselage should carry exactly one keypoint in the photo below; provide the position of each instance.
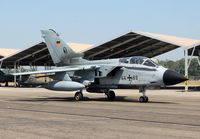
(133, 71)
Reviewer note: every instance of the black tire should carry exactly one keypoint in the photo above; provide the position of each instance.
(111, 95)
(78, 96)
(146, 99)
(143, 99)
(6, 84)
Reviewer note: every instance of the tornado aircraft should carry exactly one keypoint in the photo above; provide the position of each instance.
(73, 73)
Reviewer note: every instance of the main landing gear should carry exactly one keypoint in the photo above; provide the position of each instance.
(110, 95)
(78, 96)
(144, 98)
(6, 84)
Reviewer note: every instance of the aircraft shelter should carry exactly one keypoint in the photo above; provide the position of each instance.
(134, 43)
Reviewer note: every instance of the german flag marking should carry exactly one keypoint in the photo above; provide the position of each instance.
(58, 43)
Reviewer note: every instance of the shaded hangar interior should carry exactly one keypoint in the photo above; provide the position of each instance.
(194, 50)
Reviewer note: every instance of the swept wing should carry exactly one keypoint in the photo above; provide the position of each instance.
(63, 69)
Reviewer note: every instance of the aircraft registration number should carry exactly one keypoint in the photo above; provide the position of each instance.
(130, 77)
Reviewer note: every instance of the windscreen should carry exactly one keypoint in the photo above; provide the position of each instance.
(150, 63)
(136, 60)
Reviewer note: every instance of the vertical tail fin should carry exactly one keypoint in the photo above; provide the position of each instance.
(60, 52)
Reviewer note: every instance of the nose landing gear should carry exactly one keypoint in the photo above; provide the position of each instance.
(144, 98)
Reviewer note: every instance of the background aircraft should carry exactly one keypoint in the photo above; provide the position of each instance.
(100, 76)
(5, 78)
(24, 81)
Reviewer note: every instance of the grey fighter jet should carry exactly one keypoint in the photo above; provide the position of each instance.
(73, 73)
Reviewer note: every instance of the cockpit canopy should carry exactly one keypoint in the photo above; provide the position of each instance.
(139, 60)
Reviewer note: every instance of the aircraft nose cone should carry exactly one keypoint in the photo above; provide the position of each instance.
(171, 77)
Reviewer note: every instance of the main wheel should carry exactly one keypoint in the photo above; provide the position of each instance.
(78, 96)
(111, 95)
(6, 84)
(143, 99)
(146, 99)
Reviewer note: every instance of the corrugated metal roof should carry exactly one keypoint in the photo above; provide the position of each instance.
(129, 44)
(173, 39)
(37, 54)
(78, 47)
(186, 42)
(6, 51)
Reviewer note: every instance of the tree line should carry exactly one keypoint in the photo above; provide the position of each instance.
(179, 66)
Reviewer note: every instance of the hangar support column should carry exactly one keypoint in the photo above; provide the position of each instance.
(15, 79)
(188, 62)
(186, 68)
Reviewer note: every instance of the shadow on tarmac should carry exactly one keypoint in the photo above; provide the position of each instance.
(71, 99)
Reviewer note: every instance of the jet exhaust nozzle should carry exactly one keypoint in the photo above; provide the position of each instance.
(171, 77)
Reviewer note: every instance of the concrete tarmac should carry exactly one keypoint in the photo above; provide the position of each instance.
(40, 113)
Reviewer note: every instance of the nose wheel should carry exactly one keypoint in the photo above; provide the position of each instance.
(110, 95)
(144, 98)
(78, 96)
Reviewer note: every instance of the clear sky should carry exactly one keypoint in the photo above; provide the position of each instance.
(94, 22)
